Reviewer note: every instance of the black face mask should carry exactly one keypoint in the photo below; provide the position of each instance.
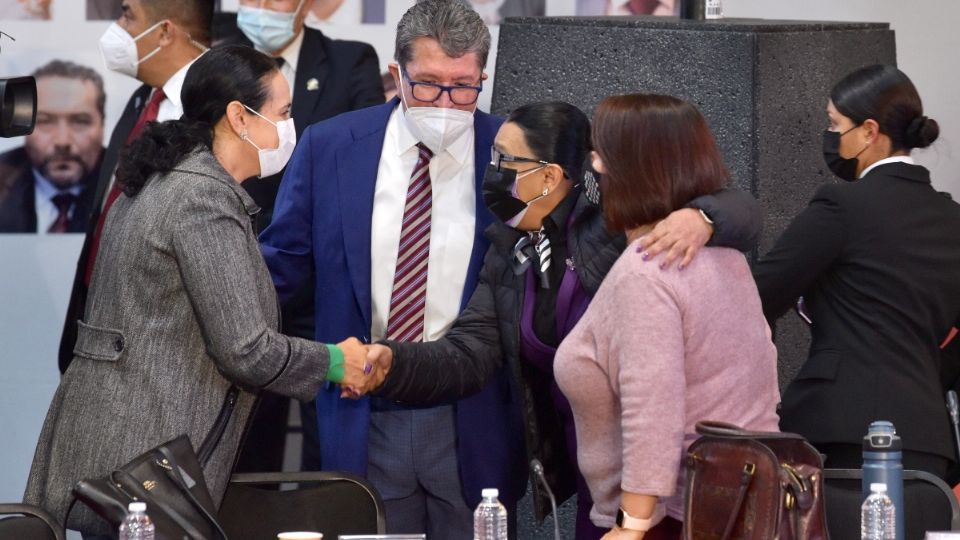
(845, 168)
(498, 195)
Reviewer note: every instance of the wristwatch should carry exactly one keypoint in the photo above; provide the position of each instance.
(626, 521)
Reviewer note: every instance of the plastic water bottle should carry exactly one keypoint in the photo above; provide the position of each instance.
(490, 518)
(137, 525)
(882, 464)
(878, 517)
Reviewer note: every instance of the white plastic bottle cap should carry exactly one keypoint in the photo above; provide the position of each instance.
(490, 493)
(137, 507)
(878, 488)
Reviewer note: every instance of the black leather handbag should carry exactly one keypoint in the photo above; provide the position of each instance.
(169, 479)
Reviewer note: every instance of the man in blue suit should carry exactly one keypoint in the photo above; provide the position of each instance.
(384, 206)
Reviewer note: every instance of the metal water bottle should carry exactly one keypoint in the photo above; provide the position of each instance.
(883, 464)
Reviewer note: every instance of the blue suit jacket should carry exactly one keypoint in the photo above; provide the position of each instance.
(321, 224)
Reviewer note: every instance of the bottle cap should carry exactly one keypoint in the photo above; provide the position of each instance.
(490, 493)
(878, 488)
(137, 507)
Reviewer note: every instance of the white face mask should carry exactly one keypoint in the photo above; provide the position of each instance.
(436, 127)
(119, 49)
(273, 160)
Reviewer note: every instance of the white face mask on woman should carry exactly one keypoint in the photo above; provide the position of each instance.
(119, 49)
(436, 127)
(273, 160)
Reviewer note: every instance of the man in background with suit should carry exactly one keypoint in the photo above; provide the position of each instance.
(47, 184)
(167, 36)
(359, 193)
(327, 77)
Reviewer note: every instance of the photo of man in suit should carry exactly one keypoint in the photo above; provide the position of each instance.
(25, 9)
(386, 196)
(327, 77)
(348, 12)
(494, 11)
(47, 184)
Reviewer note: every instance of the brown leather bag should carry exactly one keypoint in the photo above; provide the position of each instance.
(750, 485)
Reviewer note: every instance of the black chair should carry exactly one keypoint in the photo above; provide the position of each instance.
(260, 505)
(29, 523)
(929, 503)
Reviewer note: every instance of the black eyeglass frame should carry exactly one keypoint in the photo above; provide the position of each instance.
(440, 89)
(497, 158)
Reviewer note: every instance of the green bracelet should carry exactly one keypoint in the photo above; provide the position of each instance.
(336, 371)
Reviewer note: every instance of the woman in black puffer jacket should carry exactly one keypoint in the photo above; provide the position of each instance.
(549, 252)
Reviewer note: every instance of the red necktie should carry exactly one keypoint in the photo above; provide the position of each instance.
(64, 202)
(409, 299)
(149, 114)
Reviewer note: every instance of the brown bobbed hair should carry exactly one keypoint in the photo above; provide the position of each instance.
(659, 154)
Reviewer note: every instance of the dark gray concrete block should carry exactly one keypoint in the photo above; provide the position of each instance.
(762, 85)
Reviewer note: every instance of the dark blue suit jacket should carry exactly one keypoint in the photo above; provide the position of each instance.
(321, 224)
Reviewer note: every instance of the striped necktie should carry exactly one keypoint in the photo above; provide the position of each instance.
(542, 246)
(409, 299)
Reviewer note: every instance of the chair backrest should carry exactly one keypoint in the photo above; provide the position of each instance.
(260, 505)
(28, 523)
(929, 504)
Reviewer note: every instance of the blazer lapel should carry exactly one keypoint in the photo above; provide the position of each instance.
(357, 167)
(312, 71)
(117, 141)
(484, 131)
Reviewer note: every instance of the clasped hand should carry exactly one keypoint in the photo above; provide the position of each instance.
(365, 367)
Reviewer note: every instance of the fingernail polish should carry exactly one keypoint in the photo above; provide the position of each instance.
(645, 256)
(681, 267)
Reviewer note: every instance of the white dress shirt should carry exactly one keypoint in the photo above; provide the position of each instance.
(45, 191)
(893, 159)
(171, 108)
(453, 221)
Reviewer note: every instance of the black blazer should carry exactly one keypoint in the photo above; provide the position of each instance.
(333, 77)
(18, 210)
(878, 264)
(78, 295)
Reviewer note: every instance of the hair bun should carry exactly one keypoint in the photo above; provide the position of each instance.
(921, 132)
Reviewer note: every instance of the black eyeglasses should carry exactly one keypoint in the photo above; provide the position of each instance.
(497, 158)
(430, 92)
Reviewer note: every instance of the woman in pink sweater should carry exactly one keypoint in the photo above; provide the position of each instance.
(660, 350)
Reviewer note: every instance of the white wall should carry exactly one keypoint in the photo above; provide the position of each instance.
(927, 45)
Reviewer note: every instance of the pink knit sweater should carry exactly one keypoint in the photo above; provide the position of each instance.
(656, 352)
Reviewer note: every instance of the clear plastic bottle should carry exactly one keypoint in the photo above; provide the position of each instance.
(877, 515)
(137, 525)
(490, 517)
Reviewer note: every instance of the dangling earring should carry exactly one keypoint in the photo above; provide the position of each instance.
(243, 135)
(546, 191)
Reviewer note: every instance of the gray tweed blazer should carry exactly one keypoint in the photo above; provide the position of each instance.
(181, 305)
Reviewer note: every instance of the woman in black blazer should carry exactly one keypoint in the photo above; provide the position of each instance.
(876, 261)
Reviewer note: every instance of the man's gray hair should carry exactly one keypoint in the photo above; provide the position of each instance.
(455, 26)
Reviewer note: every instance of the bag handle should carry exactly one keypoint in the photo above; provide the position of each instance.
(213, 437)
(746, 478)
(140, 494)
(722, 429)
(174, 474)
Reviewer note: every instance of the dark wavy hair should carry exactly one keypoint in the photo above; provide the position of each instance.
(557, 132)
(219, 77)
(659, 154)
(886, 94)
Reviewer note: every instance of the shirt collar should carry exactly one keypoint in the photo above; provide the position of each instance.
(174, 84)
(459, 149)
(49, 190)
(291, 53)
(892, 159)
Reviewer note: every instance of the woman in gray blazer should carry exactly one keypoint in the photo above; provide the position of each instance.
(181, 308)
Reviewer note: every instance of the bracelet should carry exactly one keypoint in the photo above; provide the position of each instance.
(705, 216)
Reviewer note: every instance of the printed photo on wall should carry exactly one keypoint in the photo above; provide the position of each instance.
(46, 185)
(628, 7)
(110, 10)
(348, 12)
(25, 10)
(494, 11)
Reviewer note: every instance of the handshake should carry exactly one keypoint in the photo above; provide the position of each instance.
(365, 367)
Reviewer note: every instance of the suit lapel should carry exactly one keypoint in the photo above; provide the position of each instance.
(18, 214)
(484, 131)
(117, 141)
(357, 167)
(312, 71)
